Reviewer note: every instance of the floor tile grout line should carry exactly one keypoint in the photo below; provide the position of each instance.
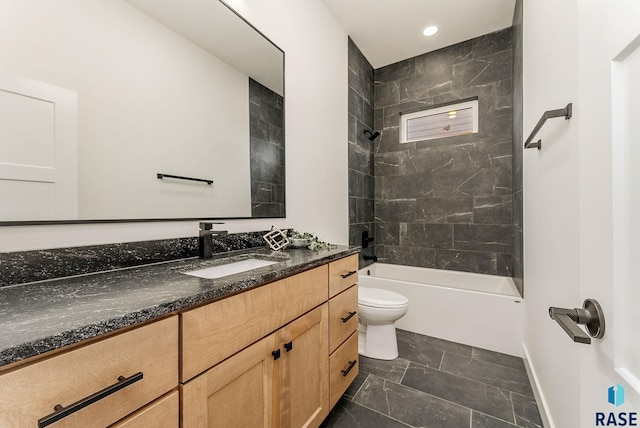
(432, 396)
(378, 412)
(361, 385)
(513, 409)
(473, 380)
(514, 424)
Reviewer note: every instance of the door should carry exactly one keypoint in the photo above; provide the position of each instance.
(580, 206)
(304, 370)
(610, 238)
(236, 393)
(38, 151)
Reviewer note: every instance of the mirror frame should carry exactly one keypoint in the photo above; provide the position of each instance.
(169, 219)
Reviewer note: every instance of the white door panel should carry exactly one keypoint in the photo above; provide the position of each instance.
(38, 150)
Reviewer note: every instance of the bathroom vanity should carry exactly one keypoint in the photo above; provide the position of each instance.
(274, 346)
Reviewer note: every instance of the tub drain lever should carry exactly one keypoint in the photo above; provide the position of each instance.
(590, 315)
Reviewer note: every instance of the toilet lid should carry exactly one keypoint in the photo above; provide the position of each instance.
(377, 297)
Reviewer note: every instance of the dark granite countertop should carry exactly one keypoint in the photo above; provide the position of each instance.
(39, 317)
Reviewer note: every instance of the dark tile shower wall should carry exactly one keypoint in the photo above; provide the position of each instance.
(267, 151)
(447, 203)
(518, 139)
(361, 180)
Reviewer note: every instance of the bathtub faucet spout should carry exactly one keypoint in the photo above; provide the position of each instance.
(374, 258)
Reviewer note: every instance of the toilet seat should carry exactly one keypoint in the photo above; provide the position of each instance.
(379, 298)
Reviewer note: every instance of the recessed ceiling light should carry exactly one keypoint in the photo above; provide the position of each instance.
(430, 30)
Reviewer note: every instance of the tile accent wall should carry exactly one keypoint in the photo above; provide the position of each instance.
(446, 203)
(518, 139)
(361, 179)
(29, 266)
(267, 151)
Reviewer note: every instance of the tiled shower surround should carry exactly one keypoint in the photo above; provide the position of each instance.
(361, 178)
(445, 203)
(266, 126)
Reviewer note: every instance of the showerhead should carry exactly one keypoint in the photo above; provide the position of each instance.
(372, 134)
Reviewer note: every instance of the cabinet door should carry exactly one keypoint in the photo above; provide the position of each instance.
(236, 393)
(303, 371)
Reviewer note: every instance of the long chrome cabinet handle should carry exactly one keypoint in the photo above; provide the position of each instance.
(63, 412)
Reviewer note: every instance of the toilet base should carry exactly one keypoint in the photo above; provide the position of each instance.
(378, 341)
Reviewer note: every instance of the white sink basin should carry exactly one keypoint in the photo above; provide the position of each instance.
(230, 268)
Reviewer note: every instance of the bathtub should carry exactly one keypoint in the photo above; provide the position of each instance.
(484, 311)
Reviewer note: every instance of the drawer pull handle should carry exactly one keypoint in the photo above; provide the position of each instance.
(288, 346)
(348, 317)
(348, 274)
(351, 364)
(276, 354)
(63, 412)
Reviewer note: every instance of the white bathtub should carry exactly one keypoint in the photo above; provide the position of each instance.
(485, 311)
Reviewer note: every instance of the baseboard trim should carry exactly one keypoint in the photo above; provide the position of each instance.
(547, 421)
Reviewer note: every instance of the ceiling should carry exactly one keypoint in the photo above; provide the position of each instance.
(388, 31)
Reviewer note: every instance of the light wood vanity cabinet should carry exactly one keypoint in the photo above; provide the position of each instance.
(145, 359)
(343, 325)
(264, 354)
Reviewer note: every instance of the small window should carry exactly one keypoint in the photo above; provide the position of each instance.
(439, 122)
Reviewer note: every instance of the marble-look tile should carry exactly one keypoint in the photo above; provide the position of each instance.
(501, 359)
(482, 70)
(386, 94)
(406, 186)
(415, 352)
(355, 386)
(395, 210)
(491, 43)
(355, 103)
(356, 183)
(426, 235)
(347, 414)
(469, 393)
(364, 210)
(359, 159)
(526, 411)
(395, 71)
(410, 406)
(392, 370)
(502, 377)
(472, 182)
(445, 210)
(480, 420)
(387, 233)
(434, 343)
(408, 256)
(483, 237)
(467, 261)
(492, 209)
(504, 264)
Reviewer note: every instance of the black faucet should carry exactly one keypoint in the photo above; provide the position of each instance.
(366, 239)
(205, 243)
(374, 258)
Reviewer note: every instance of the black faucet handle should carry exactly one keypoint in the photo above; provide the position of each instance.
(208, 225)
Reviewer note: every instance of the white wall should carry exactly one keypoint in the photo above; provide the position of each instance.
(149, 101)
(316, 135)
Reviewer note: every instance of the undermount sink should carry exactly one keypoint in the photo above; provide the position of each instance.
(230, 268)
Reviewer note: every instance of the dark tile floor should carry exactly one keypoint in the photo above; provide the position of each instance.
(436, 383)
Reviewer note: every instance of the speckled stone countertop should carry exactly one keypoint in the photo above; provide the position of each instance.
(39, 317)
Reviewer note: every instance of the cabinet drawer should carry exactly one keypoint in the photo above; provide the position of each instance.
(162, 413)
(343, 274)
(343, 367)
(72, 376)
(343, 316)
(218, 330)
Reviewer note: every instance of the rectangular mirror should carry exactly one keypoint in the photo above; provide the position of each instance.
(132, 110)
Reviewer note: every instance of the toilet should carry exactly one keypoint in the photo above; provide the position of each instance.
(378, 312)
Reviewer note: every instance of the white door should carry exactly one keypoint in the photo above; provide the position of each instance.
(610, 238)
(38, 151)
(582, 202)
